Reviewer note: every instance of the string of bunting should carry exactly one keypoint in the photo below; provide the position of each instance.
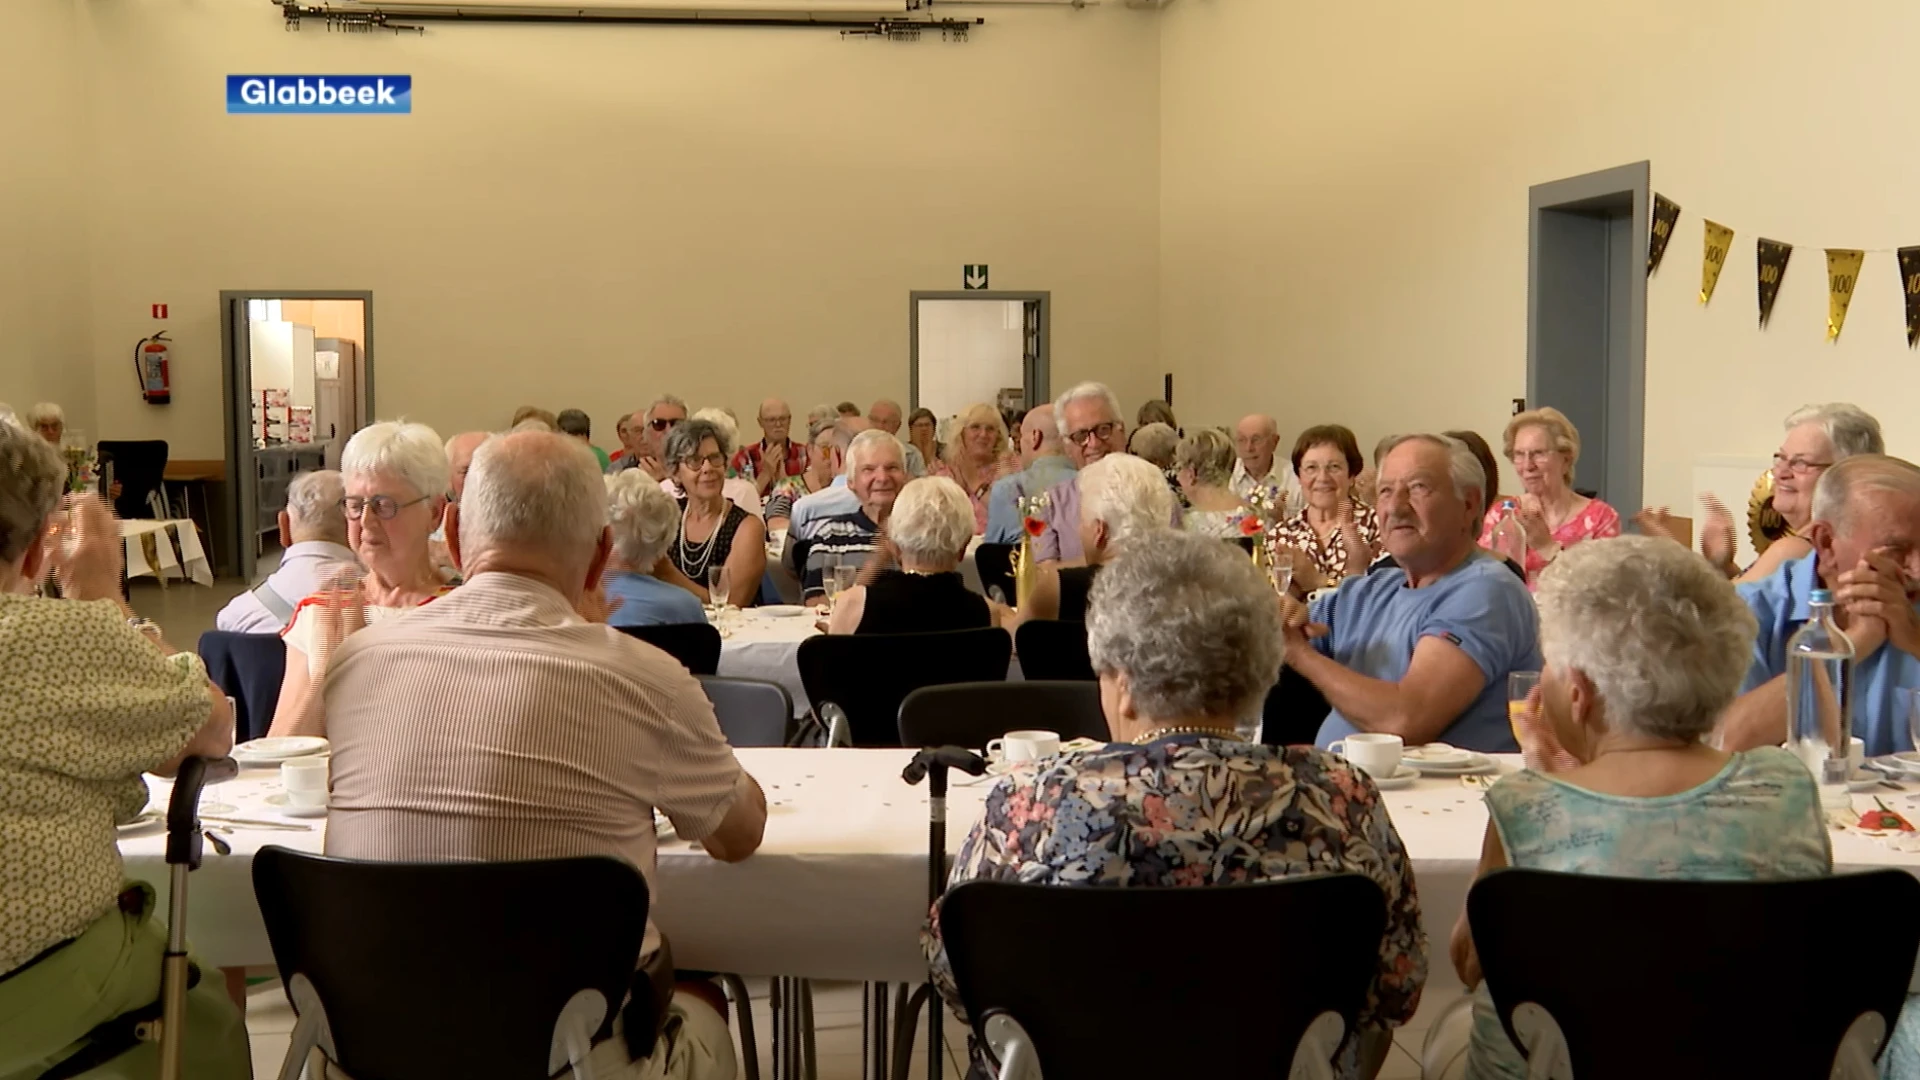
(1771, 257)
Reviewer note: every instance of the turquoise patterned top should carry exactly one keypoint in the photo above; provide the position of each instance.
(1758, 819)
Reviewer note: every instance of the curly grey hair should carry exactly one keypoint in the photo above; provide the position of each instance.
(1210, 454)
(1190, 622)
(313, 504)
(644, 518)
(932, 521)
(684, 439)
(1128, 494)
(1462, 466)
(414, 452)
(1157, 443)
(32, 476)
(1663, 637)
(1851, 429)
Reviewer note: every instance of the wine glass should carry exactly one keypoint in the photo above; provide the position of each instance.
(829, 580)
(718, 581)
(847, 574)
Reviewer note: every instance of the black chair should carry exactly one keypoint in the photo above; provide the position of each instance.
(751, 712)
(1053, 651)
(695, 645)
(471, 969)
(972, 714)
(1293, 711)
(249, 669)
(1022, 978)
(867, 676)
(1643, 990)
(140, 466)
(995, 564)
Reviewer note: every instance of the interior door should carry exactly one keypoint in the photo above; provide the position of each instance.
(243, 478)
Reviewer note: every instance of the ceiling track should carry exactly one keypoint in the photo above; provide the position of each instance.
(335, 19)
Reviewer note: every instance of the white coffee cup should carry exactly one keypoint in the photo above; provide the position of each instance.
(305, 779)
(1378, 754)
(1024, 746)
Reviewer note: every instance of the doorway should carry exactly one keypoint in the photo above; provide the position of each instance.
(1587, 320)
(978, 346)
(297, 375)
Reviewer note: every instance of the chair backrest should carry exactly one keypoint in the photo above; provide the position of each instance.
(451, 969)
(1022, 950)
(1053, 651)
(994, 562)
(971, 714)
(1293, 711)
(869, 675)
(139, 466)
(695, 645)
(249, 669)
(751, 712)
(1660, 978)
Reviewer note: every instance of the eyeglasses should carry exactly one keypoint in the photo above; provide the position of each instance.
(384, 507)
(1103, 432)
(1798, 465)
(696, 463)
(661, 425)
(1314, 468)
(776, 420)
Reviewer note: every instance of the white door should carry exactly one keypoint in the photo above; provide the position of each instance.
(969, 352)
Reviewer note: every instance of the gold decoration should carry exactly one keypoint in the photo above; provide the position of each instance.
(1771, 269)
(1843, 273)
(1718, 239)
(1909, 258)
(1665, 213)
(1764, 523)
(1026, 570)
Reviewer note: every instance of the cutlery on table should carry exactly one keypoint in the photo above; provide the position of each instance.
(258, 823)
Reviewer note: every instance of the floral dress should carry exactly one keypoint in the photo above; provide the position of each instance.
(1595, 521)
(1329, 556)
(1192, 810)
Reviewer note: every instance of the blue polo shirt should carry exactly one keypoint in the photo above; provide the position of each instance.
(1779, 602)
(1374, 621)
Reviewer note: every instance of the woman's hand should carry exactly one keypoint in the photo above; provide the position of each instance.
(343, 613)
(1657, 522)
(1540, 750)
(1298, 632)
(1358, 550)
(87, 554)
(1716, 533)
(1306, 576)
(1533, 519)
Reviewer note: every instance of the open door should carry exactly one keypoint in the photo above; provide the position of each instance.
(243, 479)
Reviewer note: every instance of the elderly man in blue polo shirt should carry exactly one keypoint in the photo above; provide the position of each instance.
(1422, 649)
(1866, 549)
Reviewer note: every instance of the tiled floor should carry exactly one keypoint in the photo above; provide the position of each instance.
(183, 610)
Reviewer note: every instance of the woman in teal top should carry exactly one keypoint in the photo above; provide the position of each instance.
(1645, 646)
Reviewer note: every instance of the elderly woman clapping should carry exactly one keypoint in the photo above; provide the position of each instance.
(1122, 497)
(396, 474)
(1645, 647)
(644, 519)
(1185, 636)
(1544, 447)
(931, 526)
(93, 698)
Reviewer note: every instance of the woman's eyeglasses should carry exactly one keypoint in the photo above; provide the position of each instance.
(1797, 465)
(384, 507)
(718, 461)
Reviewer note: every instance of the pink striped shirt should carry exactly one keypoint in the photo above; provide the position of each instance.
(496, 724)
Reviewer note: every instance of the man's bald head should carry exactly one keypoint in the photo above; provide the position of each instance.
(1039, 435)
(1255, 439)
(460, 450)
(886, 416)
(534, 504)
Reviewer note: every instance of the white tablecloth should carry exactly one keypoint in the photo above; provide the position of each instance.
(788, 587)
(176, 550)
(755, 645)
(838, 889)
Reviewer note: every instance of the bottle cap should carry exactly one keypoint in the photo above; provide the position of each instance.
(1820, 596)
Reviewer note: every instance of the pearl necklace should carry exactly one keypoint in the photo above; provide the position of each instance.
(1156, 734)
(694, 558)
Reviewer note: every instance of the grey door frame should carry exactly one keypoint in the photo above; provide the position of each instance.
(1605, 191)
(241, 472)
(1037, 375)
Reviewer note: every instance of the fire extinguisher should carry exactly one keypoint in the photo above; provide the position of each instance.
(151, 358)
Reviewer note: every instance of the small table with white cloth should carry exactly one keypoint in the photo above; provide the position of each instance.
(165, 549)
(838, 888)
(755, 644)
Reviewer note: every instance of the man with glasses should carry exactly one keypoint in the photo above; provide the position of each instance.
(1088, 417)
(654, 424)
(776, 458)
(1256, 443)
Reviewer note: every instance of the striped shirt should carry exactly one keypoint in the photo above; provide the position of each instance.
(850, 535)
(496, 724)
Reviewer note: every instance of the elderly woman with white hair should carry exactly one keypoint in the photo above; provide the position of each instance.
(49, 420)
(715, 532)
(644, 520)
(1645, 647)
(931, 526)
(1122, 497)
(1185, 637)
(1203, 468)
(1544, 447)
(978, 454)
(396, 478)
(742, 490)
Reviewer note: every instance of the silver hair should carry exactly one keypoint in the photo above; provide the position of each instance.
(1851, 429)
(1663, 637)
(530, 492)
(46, 411)
(1190, 622)
(531, 423)
(32, 476)
(867, 442)
(1833, 494)
(313, 505)
(411, 451)
(644, 518)
(1083, 392)
(1463, 468)
(728, 427)
(1157, 443)
(665, 399)
(684, 439)
(932, 521)
(1127, 493)
(820, 418)
(1209, 453)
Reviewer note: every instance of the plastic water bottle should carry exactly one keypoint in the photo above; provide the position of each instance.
(1509, 538)
(1820, 701)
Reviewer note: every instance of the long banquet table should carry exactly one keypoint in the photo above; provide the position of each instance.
(838, 889)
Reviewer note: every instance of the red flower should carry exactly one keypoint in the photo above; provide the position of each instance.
(1035, 527)
(1250, 526)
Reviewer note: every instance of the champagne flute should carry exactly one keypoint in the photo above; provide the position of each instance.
(829, 580)
(847, 575)
(718, 581)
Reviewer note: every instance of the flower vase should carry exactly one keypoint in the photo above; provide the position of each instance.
(1026, 572)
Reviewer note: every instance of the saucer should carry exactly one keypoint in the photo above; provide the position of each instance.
(278, 800)
(1403, 776)
(1469, 762)
(1436, 754)
(275, 751)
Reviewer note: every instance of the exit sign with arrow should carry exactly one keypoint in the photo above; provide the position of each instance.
(974, 276)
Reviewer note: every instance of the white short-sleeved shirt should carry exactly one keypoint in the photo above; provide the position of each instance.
(303, 632)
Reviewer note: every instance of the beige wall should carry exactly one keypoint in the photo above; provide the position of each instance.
(581, 216)
(44, 353)
(1344, 205)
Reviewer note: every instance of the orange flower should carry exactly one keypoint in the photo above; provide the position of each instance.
(1035, 527)
(1251, 526)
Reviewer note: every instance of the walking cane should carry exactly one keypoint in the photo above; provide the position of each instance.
(183, 856)
(932, 765)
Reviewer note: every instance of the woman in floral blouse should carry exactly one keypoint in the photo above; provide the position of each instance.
(1185, 636)
(1336, 535)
